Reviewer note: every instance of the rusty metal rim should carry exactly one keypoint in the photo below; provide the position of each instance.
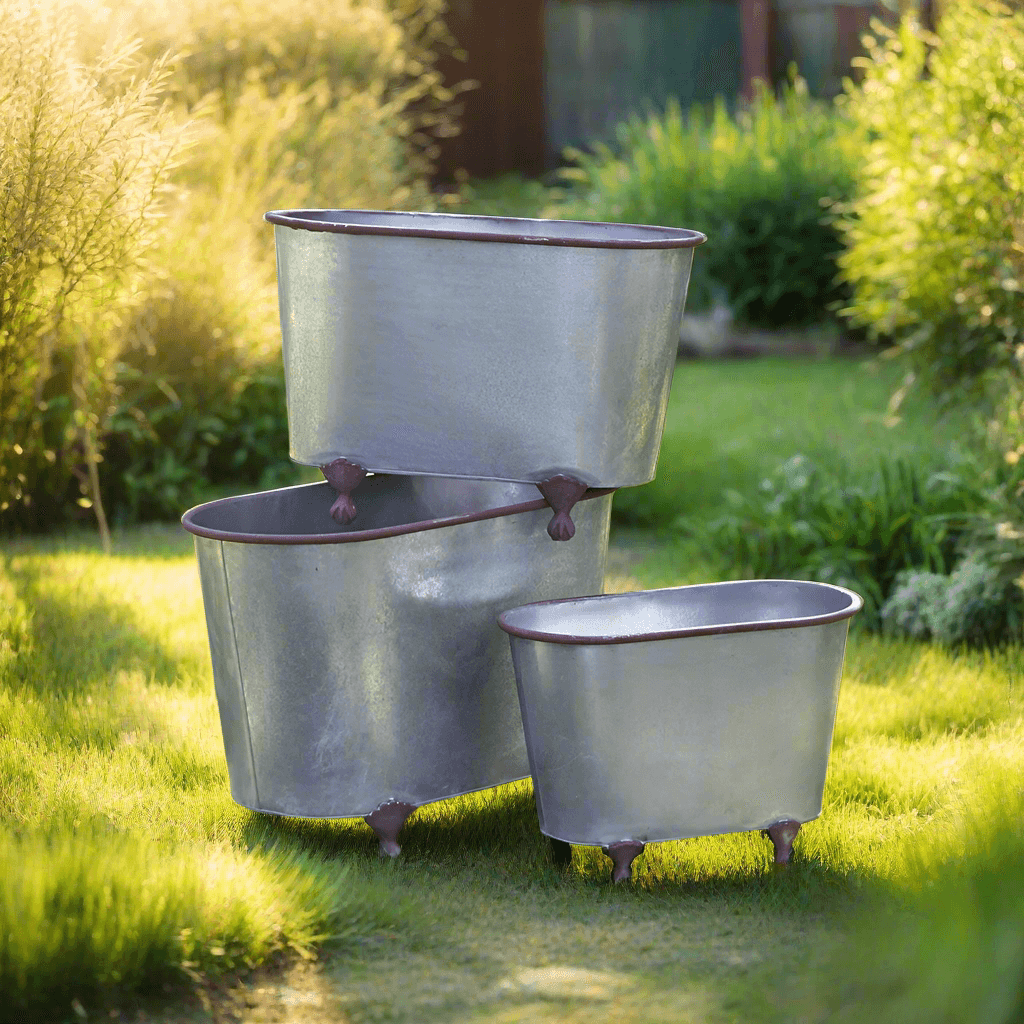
(359, 535)
(670, 839)
(648, 237)
(856, 603)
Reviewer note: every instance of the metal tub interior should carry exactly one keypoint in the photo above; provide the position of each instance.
(486, 347)
(361, 667)
(680, 712)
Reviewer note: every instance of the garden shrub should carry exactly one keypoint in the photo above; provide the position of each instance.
(370, 63)
(828, 526)
(84, 158)
(935, 237)
(203, 341)
(974, 605)
(759, 183)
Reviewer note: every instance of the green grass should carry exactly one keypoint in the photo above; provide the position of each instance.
(731, 423)
(126, 865)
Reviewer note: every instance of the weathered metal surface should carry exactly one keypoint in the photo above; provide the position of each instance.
(361, 667)
(483, 347)
(680, 712)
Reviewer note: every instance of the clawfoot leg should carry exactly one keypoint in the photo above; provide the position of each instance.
(344, 477)
(623, 854)
(782, 834)
(561, 493)
(386, 822)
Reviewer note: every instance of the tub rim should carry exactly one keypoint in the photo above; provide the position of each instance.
(645, 236)
(856, 603)
(352, 536)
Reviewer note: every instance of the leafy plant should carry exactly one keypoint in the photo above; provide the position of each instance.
(935, 237)
(974, 605)
(181, 448)
(807, 523)
(759, 183)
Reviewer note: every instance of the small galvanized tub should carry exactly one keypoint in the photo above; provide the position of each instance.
(360, 672)
(681, 712)
(484, 347)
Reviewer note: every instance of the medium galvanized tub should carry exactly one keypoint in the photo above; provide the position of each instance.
(484, 347)
(681, 712)
(360, 671)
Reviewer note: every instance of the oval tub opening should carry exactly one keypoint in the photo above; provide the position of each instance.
(384, 503)
(467, 226)
(705, 608)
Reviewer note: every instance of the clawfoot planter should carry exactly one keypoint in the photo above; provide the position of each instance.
(495, 348)
(682, 712)
(359, 670)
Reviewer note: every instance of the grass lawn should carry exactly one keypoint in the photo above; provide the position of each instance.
(126, 867)
(731, 423)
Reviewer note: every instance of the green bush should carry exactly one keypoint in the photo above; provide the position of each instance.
(316, 104)
(935, 238)
(759, 184)
(974, 605)
(830, 527)
(386, 50)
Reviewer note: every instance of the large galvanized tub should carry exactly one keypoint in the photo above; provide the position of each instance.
(680, 712)
(356, 668)
(484, 347)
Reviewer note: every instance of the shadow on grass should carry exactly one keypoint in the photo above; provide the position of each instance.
(75, 646)
(502, 821)
(493, 837)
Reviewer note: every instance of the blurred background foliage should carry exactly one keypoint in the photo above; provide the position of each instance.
(759, 182)
(140, 366)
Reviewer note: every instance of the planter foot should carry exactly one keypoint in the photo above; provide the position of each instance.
(561, 853)
(386, 822)
(782, 834)
(622, 855)
(561, 493)
(344, 477)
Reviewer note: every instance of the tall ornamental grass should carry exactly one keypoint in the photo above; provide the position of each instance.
(85, 154)
(759, 182)
(312, 104)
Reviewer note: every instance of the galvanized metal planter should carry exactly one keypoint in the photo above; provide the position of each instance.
(360, 672)
(680, 712)
(482, 347)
